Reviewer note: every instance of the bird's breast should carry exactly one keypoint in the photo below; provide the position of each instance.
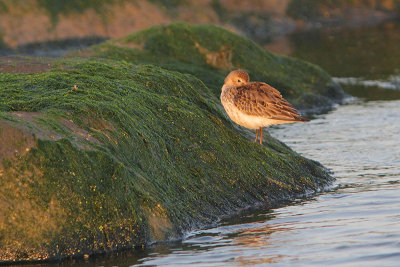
(240, 117)
(250, 122)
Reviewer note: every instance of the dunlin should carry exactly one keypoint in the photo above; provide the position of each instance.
(255, 105)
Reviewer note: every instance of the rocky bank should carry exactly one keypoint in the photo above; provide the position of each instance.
(128, 144)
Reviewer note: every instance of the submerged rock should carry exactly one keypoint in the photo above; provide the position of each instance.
(100, 155)
(209, 53)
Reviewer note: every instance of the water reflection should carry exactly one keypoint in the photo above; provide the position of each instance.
(371, 52)
(366, 60)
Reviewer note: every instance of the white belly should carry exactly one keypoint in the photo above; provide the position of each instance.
(250, 122)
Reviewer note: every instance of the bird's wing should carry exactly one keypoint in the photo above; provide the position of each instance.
(260, 99)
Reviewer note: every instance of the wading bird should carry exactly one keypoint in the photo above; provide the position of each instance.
(255, 105)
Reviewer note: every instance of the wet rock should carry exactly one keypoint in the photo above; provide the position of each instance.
(100, 155)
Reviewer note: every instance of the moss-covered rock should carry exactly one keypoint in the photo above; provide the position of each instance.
(101, 155)
(210, 52)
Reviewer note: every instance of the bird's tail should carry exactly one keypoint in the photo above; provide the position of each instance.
(301, 119)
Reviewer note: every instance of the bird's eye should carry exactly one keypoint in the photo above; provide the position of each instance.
(238, 80)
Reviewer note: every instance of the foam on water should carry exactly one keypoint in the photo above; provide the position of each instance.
(393, 82)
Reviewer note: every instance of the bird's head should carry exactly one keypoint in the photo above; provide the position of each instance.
(237, 78)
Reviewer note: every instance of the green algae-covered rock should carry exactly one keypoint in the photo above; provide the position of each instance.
(210, 52)
(102, 155)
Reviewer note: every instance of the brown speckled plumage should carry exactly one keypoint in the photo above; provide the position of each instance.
(260, 99)
(255, 105)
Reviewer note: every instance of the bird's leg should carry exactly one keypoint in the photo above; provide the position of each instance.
(261, 131)
(255, 141)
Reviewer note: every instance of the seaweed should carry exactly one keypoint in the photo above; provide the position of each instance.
(209, 53)
(103, 155)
